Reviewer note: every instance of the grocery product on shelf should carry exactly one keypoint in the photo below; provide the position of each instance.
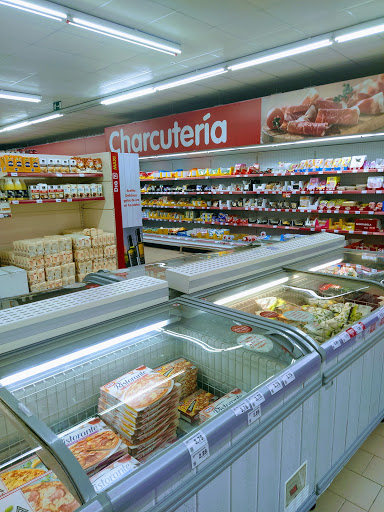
(20, 163)
(59, 260)
(191, 406)
(183, 372)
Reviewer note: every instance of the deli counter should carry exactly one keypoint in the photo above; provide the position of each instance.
(159, 410)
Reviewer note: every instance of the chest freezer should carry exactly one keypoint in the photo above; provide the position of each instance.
(106, 414)
(365, 265)
(343, 319)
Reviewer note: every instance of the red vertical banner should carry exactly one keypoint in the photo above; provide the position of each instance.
(117, 204)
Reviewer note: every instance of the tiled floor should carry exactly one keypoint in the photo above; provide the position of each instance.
(359, 487)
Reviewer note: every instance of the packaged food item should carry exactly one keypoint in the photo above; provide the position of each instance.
(43, 187)
(100, 189)
(65, 165)
(79, 164)
(345, 162)
(94, 444)
(319, 164)
(114, 472)
(375, 182)
(89, 164)
(18, 162)
(59, 191)
(21, 473)
(80, 190)
(34, 192)
(87, 190)
(94, 191)
(357, 162)
(74, 192)
(333, 181)
(191, 405)
(67, 191)
(181, 371)
(221, 404)
(9, 161)
(98, 165)
(328, 163)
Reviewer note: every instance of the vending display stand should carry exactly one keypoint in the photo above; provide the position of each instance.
(254, 449)
(342, 318)
(36, 322)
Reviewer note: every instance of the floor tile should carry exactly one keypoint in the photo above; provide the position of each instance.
(379, 429)
(378, 504)
(359, 461)
(375, 445)
(329, 502)
(375, 470)
(355, 488)
(350, 507)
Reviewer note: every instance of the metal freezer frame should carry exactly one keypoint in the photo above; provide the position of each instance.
(169, 468)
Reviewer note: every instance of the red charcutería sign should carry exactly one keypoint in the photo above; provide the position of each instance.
(236, 124)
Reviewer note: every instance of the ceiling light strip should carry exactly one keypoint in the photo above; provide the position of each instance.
(36, 9)
(29, 122)
(190, 79)
(19, 96)
(128, 96)
(360, 33)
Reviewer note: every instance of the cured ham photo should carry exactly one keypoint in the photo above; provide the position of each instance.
(334, 109)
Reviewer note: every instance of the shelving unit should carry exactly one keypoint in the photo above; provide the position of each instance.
(70, 200)
(267, 160)
(35, 175)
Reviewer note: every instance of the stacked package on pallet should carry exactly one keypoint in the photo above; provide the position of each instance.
(93, 250)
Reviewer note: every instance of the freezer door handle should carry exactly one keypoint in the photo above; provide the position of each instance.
(292, 344)
(52, 450)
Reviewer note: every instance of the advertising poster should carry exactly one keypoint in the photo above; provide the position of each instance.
(342, 108)
(128, 217)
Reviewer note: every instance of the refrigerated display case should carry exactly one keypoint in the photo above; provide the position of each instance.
(349, 263)
(343, 319)
(130, 372)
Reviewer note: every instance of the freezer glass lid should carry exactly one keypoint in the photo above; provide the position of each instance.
(321, 306)
(143, 384)
(358, 264)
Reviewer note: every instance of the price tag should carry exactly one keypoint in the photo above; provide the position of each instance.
(198, 448)
(371, 213)
(320, 172)
(82, 175)
(365, 232)
(39, 200)
(358, 327)
(380, 313)
(288, 377)
(15, 202)
(241, 408)
(336, 344)
(256, 399)
(254, 415)
(13, 173)
(58, 200)
(364, 191)
(275, 386)
(69, 200)
(58, 174)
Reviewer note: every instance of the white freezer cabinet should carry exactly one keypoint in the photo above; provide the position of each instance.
(343, 319)
(174, 408)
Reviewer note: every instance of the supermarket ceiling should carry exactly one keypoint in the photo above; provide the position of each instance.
(59, 62)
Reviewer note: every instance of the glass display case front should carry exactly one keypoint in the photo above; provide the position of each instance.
(119, 394)
(357, 264)
(320, 306)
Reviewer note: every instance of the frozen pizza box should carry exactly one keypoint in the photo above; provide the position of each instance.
(159, 442)
(150, 437)
(147, 428)
(114, 472)
(94, 444)
(191, 406)
(43, 494)
(221, 404)
(21, 473)
(119, 413)
(181, 371)
(139, 390)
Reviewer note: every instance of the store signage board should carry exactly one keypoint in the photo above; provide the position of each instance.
(273, 119)
(128, 213)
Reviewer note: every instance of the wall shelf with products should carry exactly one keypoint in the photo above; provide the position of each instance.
(34, 175)
(301, 195)
(69, 200)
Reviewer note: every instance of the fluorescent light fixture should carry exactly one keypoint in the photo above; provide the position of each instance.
(251, 291)
(45, 118)
(128, 96)
(190, 79)
(360, 33)
(325, 265)
(281, 55)
(69, 358)
(35, 9)
(124, 36)
(20, 96)
(28, 123)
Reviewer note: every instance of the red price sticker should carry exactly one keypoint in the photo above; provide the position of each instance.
(241, 328)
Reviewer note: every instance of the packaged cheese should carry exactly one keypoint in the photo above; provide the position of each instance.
(94, 444)
(191, 406)
(220, 405)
